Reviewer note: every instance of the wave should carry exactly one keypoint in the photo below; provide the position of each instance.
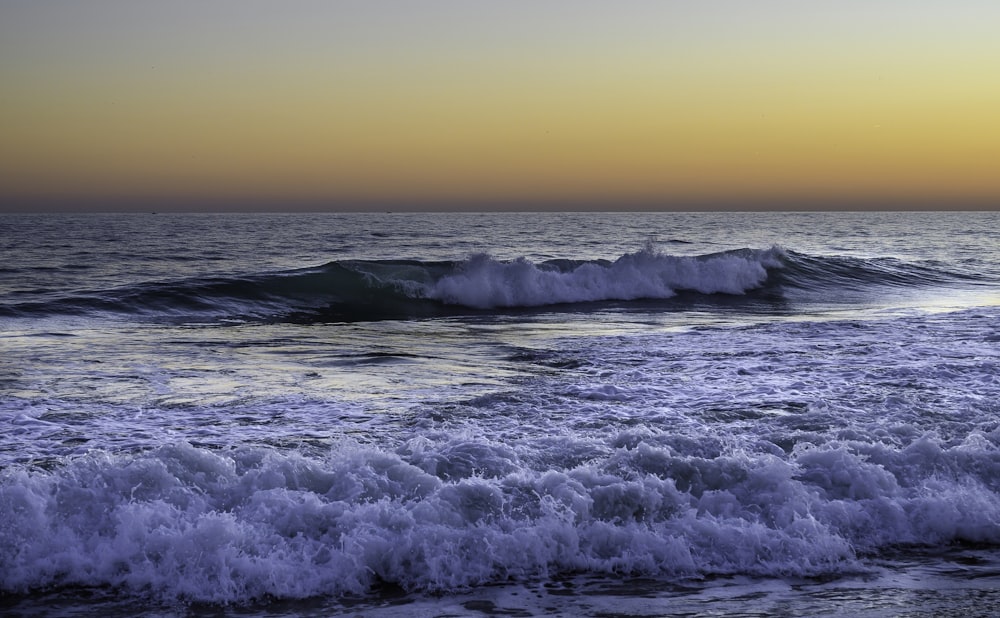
(186, 523)
(353, 290)
(845, 272)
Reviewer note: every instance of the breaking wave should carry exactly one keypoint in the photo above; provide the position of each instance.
(186, 523)
(353, 290)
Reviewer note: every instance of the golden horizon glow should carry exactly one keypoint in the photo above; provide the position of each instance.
(478, 102)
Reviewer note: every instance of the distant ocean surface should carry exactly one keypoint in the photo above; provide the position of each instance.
(629, 414)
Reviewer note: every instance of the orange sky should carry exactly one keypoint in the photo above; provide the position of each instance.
(464, 103)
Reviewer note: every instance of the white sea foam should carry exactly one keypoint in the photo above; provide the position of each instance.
(487, 283)
(186, 523)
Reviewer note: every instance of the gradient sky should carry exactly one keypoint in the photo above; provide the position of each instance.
(465, 103)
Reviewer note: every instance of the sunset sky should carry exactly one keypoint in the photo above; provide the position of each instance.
(508, 104)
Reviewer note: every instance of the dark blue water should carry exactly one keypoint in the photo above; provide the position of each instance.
(440, 414)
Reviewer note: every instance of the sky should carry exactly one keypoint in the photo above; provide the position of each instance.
(464, 104)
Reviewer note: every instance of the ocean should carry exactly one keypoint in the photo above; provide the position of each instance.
(576, 414)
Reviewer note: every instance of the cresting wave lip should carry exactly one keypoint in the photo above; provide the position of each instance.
(357, 290)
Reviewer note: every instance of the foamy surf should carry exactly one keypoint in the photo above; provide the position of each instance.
(241, 525)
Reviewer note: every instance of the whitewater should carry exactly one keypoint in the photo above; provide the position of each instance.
(635, 414)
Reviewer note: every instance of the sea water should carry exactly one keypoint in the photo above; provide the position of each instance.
(634, 414)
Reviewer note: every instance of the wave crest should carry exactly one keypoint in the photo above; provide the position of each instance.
(485, 283)
(361, 290)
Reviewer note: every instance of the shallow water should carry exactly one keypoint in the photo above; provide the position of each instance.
(956, 582)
